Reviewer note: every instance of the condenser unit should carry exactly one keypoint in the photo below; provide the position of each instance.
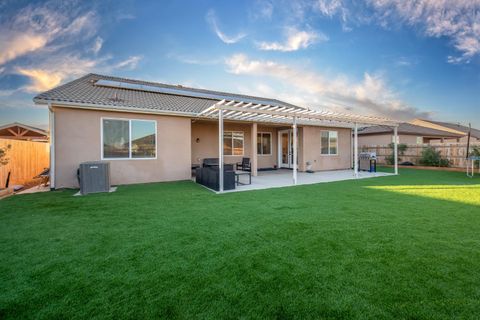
(94, 177)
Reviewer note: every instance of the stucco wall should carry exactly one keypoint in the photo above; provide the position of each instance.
(384, 139)
(77, 139)
(207, 146)
(311, 140)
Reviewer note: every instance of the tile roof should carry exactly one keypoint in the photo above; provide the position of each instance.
(407, 128)
(85, 91)
(458, 127)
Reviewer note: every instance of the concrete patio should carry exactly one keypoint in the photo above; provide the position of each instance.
(283, 178)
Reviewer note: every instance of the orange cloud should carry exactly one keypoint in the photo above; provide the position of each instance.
(20, 44)
(41, 80)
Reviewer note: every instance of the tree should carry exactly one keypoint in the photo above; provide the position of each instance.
(3, 155)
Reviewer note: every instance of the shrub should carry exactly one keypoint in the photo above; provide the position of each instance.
(433, 158)
(401, 150)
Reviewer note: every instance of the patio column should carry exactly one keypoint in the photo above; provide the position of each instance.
(395, 148)
(220, 149)
(254, 162)
(295, 164)
(355, 150)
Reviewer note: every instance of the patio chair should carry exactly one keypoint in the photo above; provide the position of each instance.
(244, 165)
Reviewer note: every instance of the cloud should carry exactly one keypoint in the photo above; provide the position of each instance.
(97, 45)
(42, 80)
(130, 63)
(51, 43)
(371, 95)
(35, 28)
(49, 74)
(212, 21)
(14, 45)
(262, 9)
(296, 40)
(457, 20)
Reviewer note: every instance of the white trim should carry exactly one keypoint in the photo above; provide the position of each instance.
(290, 163)
(220, 150)
(243, 144)
(295, 151)
(355, 150)
(129, 139)
(395, 148)
(286, 115)
(271, 143)
(329, 154)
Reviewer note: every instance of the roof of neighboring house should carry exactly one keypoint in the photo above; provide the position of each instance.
(22, 131)
(474, 133)
(135, 95)
(409, 129)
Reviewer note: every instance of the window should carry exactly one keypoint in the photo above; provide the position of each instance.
(233, 143)
(129, 139)
(264, 143)
(329, 142)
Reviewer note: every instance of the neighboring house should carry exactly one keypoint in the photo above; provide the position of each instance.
(407, 134)
(19, 131)
(450, 127)
(152, 132)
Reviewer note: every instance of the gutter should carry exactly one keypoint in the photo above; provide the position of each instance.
(79, 105)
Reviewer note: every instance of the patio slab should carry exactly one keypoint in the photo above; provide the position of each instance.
(284, 178)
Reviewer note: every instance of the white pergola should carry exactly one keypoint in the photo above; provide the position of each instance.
(292, 116)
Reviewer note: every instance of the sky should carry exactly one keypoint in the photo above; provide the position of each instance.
(395, 58)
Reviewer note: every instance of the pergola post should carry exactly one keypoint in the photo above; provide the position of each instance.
(295, 164)
(254, 162)
(355, 150)
(395, 148)
(220, 150)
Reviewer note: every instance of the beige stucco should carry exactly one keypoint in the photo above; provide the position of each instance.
(207, 146)
(77, 139)
(181, 142)
(310, 138)
(384, 139)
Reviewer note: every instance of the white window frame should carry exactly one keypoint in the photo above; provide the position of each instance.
(328, 154)
(271, 144)
(129, 138)
(243, 144)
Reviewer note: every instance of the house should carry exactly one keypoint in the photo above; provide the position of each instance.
(454, 128)
(20, 131)
(407, 133)
(152, 132)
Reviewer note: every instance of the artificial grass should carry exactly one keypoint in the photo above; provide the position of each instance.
(403, 246)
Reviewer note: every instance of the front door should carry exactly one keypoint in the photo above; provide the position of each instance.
(285, 148)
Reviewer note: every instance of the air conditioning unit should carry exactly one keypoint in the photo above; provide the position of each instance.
(94, 177)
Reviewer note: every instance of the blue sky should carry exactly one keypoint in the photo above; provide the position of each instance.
(395, 58)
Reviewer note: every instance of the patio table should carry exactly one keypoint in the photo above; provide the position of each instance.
(242, 173)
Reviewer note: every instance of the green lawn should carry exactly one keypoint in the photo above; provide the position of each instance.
(403, 246)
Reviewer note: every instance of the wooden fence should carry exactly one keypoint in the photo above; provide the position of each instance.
(454, 152)
(26, 160)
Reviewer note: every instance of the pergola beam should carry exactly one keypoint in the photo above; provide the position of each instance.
(264, 112)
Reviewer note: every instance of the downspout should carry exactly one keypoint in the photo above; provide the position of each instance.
(51, 123)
